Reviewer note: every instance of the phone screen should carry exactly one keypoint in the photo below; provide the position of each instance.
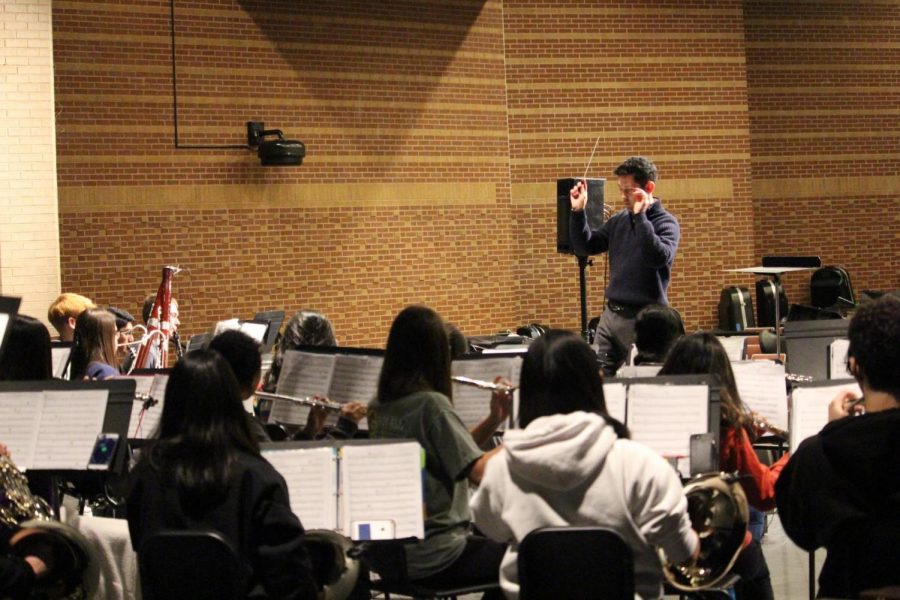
(104, 451)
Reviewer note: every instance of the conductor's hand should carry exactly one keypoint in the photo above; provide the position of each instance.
(843, 405)
(640, 200)
(578, 196)
(355, 411)
(501, 401)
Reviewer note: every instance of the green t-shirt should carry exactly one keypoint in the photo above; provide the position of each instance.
(429, 418)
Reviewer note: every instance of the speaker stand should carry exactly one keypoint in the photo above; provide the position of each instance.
(583, 263)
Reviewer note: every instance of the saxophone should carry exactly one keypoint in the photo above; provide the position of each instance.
(65, 550)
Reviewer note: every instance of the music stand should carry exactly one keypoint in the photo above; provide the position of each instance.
(9, 306)
(775, 273)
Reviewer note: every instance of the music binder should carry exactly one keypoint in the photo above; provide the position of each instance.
(354, 486)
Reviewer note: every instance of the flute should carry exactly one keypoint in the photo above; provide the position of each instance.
(306, 401)
(485, 385)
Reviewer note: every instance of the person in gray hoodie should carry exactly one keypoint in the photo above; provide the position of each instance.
(573, 464)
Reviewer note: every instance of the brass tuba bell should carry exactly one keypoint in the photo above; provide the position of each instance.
(719, 514)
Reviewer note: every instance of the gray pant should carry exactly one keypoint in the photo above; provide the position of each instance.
(613, 340)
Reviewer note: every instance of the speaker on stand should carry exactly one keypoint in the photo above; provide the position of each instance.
(595, 213)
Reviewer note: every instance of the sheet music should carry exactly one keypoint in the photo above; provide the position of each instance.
(60, 357)
(69, 425)
(355, 378)
(20, 414)
(383, 482)
(255, 330)
(283, 411)
(809, 409)
(473, 404)
(761, 385)
(837, 359)
(615, 396)
(155, 387)
(734, 346)
(665, 416)
(305, 374)
(629, 371)
(312, 481)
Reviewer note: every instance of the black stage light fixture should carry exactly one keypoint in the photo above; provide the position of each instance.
(274, 153)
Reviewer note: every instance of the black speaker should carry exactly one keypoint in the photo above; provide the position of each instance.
(593, 211)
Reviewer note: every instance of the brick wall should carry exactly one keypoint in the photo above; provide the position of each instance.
(435, 133)
(29, 243)
(825, 127)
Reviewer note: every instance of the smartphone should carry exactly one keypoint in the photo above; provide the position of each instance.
(372, 530)
(704, 453)
(104, 451)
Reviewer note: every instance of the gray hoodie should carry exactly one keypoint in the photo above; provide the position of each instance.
(573, 470)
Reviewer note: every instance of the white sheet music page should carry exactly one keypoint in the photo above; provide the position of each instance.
(664, 417)
(809, 409)
(630, 371)
(615, 396)
(68, 429)
(305, 374)
(473, 404)
(20, 414)
(355, 378)
(142, 386)
(837, 359)
(761, 385)
(312, 481)
(60, 358)
(383, 482)
(734, 345)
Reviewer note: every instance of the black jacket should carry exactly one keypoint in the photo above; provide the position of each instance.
(255, 516)
(841, 490)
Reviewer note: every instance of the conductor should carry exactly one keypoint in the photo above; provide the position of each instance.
(641, 239)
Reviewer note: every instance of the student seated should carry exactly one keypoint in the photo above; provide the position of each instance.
(573, 464)
(204, 470)
(63, 312)
(125, 328)
(94, 353)
(242, 353)
(27, 356)
(656, 328)
(153, 361)
(305, 328)
(841, 489)
(702, 354)
(415, 401)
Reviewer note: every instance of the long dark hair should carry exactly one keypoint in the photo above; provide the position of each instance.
(703, 354)
(560, 375)
(27, 356)
(95, 340)
(417, 356)
(202, 429)
(305, 328)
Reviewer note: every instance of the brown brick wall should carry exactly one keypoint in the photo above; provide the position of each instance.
(435, 132)
(823, 83)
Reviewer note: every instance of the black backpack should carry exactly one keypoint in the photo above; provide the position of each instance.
(830, 287)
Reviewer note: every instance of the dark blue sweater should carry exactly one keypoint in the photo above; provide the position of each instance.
(641, 252)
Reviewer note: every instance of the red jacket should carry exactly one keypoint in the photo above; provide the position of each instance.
(736, 454)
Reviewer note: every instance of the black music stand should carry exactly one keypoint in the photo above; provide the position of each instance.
(775, 273)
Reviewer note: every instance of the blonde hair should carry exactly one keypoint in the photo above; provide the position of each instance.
(67, 306)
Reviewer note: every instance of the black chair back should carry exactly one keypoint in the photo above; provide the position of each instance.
(190, 565)
(575, 562)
